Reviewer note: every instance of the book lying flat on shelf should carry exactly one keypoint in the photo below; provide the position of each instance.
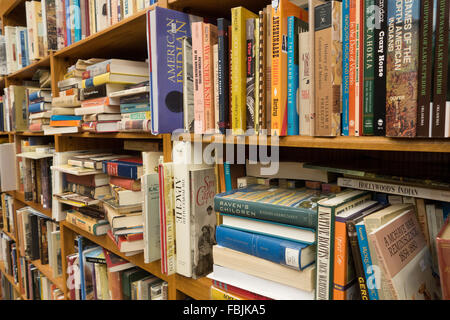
(75, 199)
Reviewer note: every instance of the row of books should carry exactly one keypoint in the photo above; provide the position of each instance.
(7, 213)
(99, 95)
(348, 227)
(53, 25)
(283, 79)
(105, 276)
(7, 290)
(8, 255)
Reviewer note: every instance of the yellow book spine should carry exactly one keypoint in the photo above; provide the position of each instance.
(238, 68)
(257, 76)
(218, 294)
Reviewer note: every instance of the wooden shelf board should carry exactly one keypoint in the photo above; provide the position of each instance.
(37, 206)
(7, 6)
(115, 135)
(9, 234)
(28, 71)
(341, 142)
(111, 42)
(197, 289)
(29, 133)
(11, 280)
(48, 272)
(104, 241)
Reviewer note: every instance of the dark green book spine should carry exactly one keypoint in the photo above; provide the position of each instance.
(265, 211)
(369, 48)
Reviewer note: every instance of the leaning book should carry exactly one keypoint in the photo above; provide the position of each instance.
(405, 259)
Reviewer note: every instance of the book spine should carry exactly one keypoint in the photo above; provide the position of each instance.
(267, 211)
(402, 69)
(128, 184)
(353, 62)
(443, 252)
(398, 189)
(360, 78)
(268, 69)
(268, 248)
(261, 68)
(425, 69)
(368, 67)
(123, 170)
(223, 71)
(250, 74)
(197, 60)
(67, 31)
(94, 92)
(52, 34)
(341, 275)
(357, 260)
(292, 76)
(209, 39)
(227, 173)
(238, 73)
(257, 55)
(345, 66)
(365, 255)
(305, 70)
(380, 38)
(86, 224)
(327, 62)
(324, 259)
(440, 81)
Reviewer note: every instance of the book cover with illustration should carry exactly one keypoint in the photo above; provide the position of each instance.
(203, 220)
(402, 68)
(166, 29)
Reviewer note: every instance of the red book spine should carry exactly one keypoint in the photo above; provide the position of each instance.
(124, 183)
(34, 127)
(87, 19)
(88, 180)
(64, 22)
(86, 74)
(361, 66)
(133, 237)
(112, 168)
(90, 126)
(443, 253)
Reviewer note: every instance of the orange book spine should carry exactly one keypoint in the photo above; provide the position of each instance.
(279, 63)
(340, 260)
(197, 61)
(96, 102)
(352, 58)
(209, 39)
(65, 123)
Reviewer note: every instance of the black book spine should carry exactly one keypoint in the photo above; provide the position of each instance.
(94, 92)
(33, 181)
(357, 261)
(223, 67)
(380, 37)
(34, 237)
(425, 68)
(43, 241)
(440, 87)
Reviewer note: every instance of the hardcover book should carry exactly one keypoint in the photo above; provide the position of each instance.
(209, 40)
(325, 233)
(197, 64)
(188, 85)
(328, 69)
(203, 220)
(443, 253)
(166, 28)
(290, 206)
(402, 69)
(223, 73)
(280, 12)
(239, 15)
(250, 74)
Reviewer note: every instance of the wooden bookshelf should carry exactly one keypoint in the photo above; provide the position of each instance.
(48, 272)
(9, 234)
(28, 71)
(11, 280)
(127, 39)
(341, 142)
(37, 206)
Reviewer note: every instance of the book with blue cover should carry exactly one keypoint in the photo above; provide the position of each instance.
(292, 254)
(296, 207)
(65, 117)
(39, 107)
(165, 31)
